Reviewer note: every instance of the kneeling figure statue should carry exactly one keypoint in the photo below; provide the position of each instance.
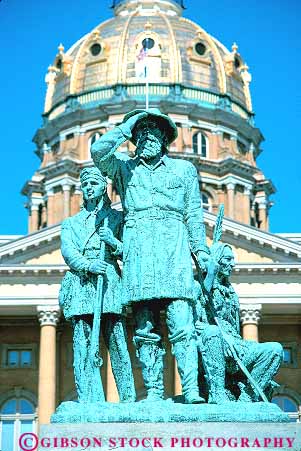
(235, 369)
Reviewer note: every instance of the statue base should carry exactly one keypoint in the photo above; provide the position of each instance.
(167, 412)
(170, 436)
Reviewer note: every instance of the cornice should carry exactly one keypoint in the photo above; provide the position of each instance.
(220, 168)
(32, 186)
(31, 241)
(270, 268)
(246, 268)
(250, 233)
(32, 270)
(66, 165)
(274, 243)
(265, 185)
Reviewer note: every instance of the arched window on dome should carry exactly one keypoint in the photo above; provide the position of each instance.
(18, 416)
(206, 201)
(288, 405)
(200, 144)
(148, 64)
(93, 138)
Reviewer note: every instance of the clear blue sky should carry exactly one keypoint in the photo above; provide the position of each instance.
(268, 35)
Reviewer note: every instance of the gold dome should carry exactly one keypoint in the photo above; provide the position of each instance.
(181, 52)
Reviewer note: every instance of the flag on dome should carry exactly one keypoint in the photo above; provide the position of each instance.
(142, 70)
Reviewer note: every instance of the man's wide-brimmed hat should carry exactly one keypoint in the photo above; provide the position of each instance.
(165, 123)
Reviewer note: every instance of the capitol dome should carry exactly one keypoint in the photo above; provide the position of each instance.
(150, 47)
(179, 52)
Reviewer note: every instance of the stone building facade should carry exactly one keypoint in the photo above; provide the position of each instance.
(205, 88)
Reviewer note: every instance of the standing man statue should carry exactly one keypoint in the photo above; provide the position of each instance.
(235, 369)
(83, 236)
(163, 226)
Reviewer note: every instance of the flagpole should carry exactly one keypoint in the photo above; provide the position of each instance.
(146, 78)
(147, 89)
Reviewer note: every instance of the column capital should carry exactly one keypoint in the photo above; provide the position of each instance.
(49, 191)
(46, 148)
(262, 205)
(36, 201)
(77, 188)
(230, 186)
(67, 187)
(250, 313)
(48, 315)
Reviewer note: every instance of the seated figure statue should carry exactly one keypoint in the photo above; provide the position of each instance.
(234, 369)
(92, 288)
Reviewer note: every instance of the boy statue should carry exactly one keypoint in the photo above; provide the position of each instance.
(90, 247)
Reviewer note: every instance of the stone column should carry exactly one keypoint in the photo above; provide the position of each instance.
(35, 205)
(233, 144)
(48, 318)
(111, 392)
(76, 199)
(50, 207)
(66, 207)
(246, 207)
(231, 196)
(250, 316)
(262, 206)
(34, 218)
(44, 215)
(187, 138)
(217, 144)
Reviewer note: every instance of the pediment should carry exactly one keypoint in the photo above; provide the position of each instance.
(251, 245)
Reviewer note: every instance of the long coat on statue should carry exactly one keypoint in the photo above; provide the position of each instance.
(163, 220)
(80, 246)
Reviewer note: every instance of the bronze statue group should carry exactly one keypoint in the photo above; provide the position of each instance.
(157, 237)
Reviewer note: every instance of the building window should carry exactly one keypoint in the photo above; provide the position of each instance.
(241, 147)
(200, 48)
(237, 62)
(55, 148)
(287, 356)
(200, 144)
(94, 138)
(206, 203)
(95, 49)
(17, 417)
(287, 405)
(290, 355)
(59, 64)
(148, 43)
(18, 356)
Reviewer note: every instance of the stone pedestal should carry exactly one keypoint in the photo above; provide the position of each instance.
(171, 436)
(169, 411)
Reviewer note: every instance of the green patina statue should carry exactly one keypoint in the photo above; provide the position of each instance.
(234, 369)
(163, 226)
(91, 290)
(163, 229)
